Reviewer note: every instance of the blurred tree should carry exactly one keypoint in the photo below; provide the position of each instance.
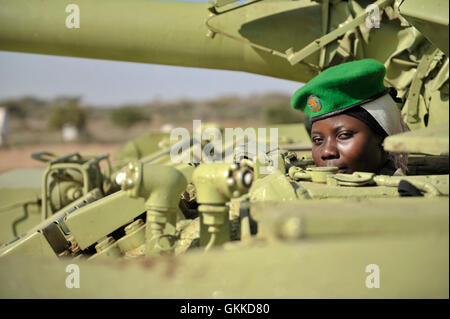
(22, 107)
(127, 116)
(15, 108)
(282, 114)
(67, 111)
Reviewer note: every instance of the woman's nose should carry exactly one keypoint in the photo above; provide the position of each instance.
(329, 151)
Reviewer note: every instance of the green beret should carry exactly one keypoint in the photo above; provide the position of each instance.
(341, 87)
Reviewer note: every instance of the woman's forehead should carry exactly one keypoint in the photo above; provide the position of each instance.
(337, 122)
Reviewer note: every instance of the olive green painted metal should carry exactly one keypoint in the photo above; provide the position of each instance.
(272, 229)
(162, 32)
(277, 187)
(114, 210)
(134, 237)
(216, 184)
(35, 240)
(19, 202)
(273, 187)
(161, 187)
(141, 146)
(411, 267)
(317, 219)
(430, 19)
(31, 245)
(430, 140)
(429, 185)
(316, 45)
(69, 190)
(314, 174)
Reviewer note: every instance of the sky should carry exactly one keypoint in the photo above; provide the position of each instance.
(101, 82)
(110, 83)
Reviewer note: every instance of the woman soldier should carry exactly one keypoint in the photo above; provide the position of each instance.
(351, 113)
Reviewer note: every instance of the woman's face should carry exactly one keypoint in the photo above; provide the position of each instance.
(347, 143)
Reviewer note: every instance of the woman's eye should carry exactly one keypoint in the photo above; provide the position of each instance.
(345, 135)
(317, 140)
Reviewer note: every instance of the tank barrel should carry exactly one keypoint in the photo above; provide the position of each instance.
(164, 32)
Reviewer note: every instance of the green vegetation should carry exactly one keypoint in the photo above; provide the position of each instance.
(19, 108)
(127, 116)
(34, 120)
(67, 111)
(280, 114)
(264, 109)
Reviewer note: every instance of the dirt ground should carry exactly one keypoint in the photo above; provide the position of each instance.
(20, 156)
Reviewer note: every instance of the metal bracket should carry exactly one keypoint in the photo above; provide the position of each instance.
(412, 103)
(212, 31)
(355, 179)
(55, 238)
(318, 44)
(76, 162)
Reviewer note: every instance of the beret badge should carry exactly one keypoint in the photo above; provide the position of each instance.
(314, 103)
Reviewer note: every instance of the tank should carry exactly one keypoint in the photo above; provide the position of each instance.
(257, 219)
